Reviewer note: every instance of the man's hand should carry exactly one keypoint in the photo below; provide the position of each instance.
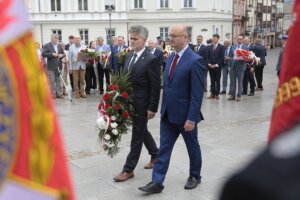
(251, 69)
(188, 126)
(54, 55)
(150, 115)
(61, 55)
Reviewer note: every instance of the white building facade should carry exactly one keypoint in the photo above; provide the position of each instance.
(91, 18)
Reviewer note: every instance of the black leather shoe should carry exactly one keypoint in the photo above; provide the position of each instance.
(192, 183)
(223, 92)
(151, 188)
(251, 94)
(244, 93)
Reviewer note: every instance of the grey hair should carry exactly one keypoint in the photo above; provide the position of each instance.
(100, 38)
(140, 30)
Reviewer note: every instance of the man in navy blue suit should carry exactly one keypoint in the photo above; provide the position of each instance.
(180, 110)
(116, 66)
(202, 50)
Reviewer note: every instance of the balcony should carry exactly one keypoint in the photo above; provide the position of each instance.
(279, 15)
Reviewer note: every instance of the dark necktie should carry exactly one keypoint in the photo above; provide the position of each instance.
(173, 66)
(132, 61)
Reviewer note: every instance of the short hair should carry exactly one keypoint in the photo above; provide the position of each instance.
(71, 37)
(54, 35)
(140, 30)
(216, 35)
(121, 37)
(77, 36)
(199, 36)
(100, 38)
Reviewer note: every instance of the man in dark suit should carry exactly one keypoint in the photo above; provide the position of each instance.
(215, 64)
(155, 51)
(114, 61)
(237, 70)
(202, 50)
(145, 79)
(261, 52)
(54, 54)
(249, 73)
(180, 110)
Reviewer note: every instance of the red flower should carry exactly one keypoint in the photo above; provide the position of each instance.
(100, 106)
(125, 95)
(125, 115)
(117, 106)
(114, 87)
(82, 50)
(106, 106)
(106, 97)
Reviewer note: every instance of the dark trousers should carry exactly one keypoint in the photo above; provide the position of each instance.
(248, 77)
(215, 80)
(90, 78)
(259, 75)
(140, 135)
(101, 73)
(71, 80)
(168, 135)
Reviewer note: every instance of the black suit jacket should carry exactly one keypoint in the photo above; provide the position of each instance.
(216, 56)
(160, 56)
(203, 52)
(145, 78)
(52, 62)
(261, 52)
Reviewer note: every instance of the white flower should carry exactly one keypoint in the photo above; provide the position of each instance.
(115, 131)
(102, 124)
(114, 125)
(113, 118)
(107, 137)
(110, 145)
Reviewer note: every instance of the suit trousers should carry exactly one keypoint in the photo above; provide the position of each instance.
(225, 73)
(101, 73)
(259, 75)
(55, 82)
(90, 78)
(248, 77)
(168, 135)
(215, 80)
(205, 79)
(78, 76)
(140, 135)
(237, 73)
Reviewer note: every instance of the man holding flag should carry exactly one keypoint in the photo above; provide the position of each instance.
(32, 159)
(274, 174)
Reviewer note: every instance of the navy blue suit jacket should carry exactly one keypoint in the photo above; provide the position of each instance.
(216, 56)
(203, 52)
(114, 62)
(183, 93)
(261, 52)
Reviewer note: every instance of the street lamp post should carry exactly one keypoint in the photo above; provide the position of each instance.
(109, 10)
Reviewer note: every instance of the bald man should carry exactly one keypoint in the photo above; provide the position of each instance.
(180, 109)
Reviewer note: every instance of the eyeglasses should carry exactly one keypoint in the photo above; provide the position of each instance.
(175, 36)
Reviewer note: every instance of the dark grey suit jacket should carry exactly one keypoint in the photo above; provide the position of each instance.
(52, 62)
(145, 78)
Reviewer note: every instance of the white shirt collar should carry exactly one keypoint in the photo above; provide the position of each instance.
(180, 53)
(139, 53)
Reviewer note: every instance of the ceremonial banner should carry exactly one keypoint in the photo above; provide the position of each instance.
(33, 165)
(286, 112)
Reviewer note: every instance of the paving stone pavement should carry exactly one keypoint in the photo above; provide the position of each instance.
(231, 134)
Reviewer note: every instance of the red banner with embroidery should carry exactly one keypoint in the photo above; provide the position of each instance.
(286, 111)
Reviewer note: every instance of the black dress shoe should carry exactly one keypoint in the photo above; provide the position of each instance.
(244, 93)
(151, 188)
(192, 182)
(251, 94)
(223, 92)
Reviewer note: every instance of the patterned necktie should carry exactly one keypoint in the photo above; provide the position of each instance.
(214, 48)
(173, 66)
(132, 61)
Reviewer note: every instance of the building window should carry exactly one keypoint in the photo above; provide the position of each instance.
(82, 5)
(109, 34)
(164, 3)
(189, 29)
(138, 3)
(188, 3)
(57, 32)
(84, 34)
(55, 5)
(164, 31)
(110, 4)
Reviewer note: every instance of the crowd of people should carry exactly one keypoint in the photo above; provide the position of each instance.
(87, 75)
